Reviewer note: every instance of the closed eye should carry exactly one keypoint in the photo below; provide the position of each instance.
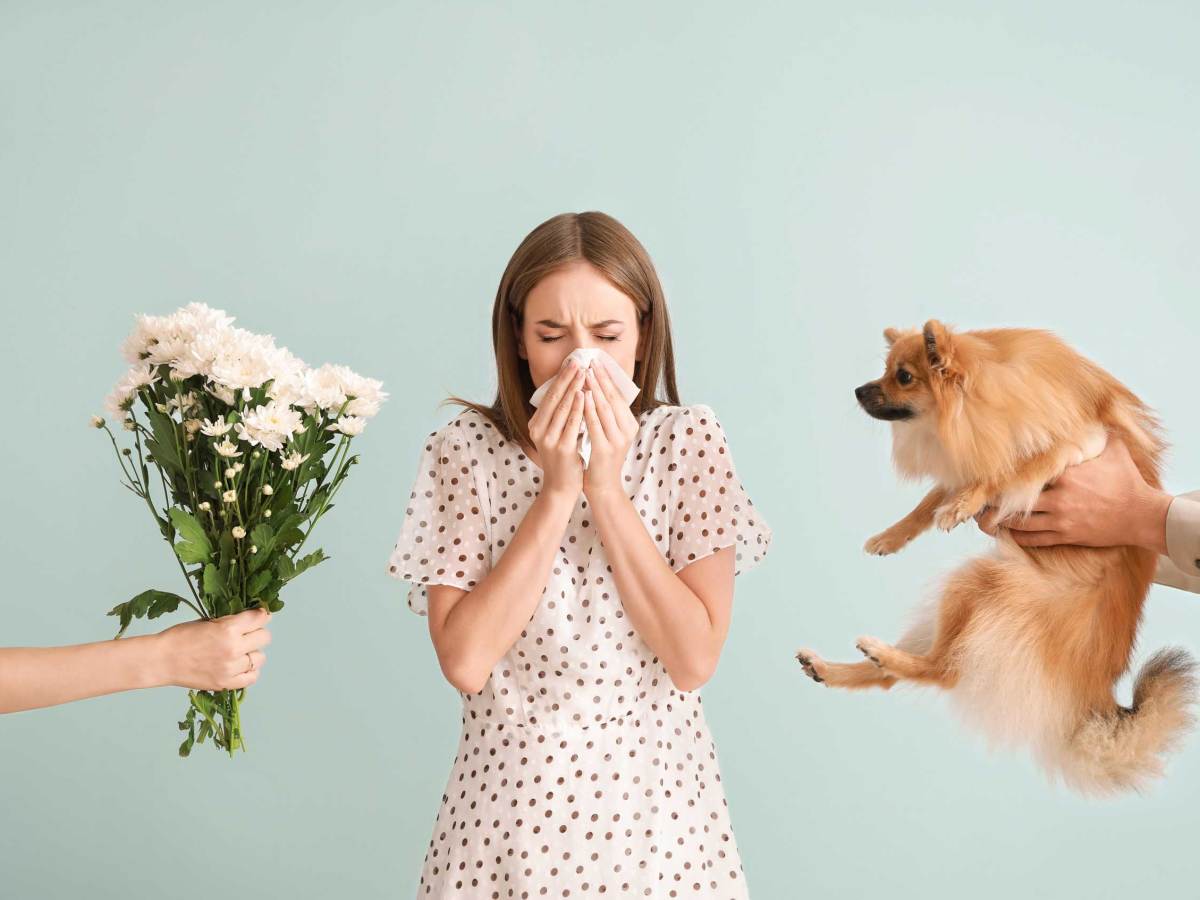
(548, 340)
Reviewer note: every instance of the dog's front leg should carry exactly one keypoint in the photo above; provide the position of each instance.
(960, 506)
(909, 527)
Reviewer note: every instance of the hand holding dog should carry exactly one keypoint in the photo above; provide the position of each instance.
(1103, 502)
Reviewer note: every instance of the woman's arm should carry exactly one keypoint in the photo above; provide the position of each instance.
(471, 630)
(683, 618)
(208, 655)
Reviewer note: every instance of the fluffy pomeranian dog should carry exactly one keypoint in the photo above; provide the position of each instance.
(1029, 642)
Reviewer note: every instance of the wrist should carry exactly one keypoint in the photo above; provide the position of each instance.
(1151, 519)
(153, 669)
(600, 494)
(559, 499)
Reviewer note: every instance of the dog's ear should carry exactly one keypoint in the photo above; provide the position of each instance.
(891, 335)
(939, 349)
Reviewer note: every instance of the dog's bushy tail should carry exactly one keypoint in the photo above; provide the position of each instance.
(1125, 749)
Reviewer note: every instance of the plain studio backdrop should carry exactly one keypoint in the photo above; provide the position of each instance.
(352, 179)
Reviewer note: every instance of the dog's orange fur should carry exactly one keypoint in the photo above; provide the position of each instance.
(1030, 641)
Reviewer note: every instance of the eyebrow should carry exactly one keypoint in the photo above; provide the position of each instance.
(550, 323)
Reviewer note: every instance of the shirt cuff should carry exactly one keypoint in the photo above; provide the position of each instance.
(1183, 535)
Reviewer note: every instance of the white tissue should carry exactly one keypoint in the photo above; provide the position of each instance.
(587, 357)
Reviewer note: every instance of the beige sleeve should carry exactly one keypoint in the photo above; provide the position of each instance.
(1180, 568)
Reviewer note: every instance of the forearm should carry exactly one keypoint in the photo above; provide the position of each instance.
(486, 621)
(666, 613)
(33, 677)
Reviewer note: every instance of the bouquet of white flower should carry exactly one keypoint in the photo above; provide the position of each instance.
(238, 431)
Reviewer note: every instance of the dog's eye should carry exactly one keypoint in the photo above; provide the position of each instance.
(904, 376)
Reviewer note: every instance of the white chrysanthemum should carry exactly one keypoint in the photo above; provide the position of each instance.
(217, 428)
(227, 448)
(246, 360)
(239, 532)
(122, 396)
(168, 339)
(229, 496)
(270, 426)
(363, 407)
(325, 388)
(351, 426)
(192, 426)
(293, 460)
(368, 395)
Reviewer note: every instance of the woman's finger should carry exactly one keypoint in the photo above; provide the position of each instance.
(1036, 538)
(554, 430)
(604, 409)
(241, 680)
(1034, 521)
(595, 427)
(255, 640)
(563, 381)
(248, 620)
(575, 419)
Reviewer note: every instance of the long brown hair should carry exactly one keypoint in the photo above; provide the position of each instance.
(609, 246)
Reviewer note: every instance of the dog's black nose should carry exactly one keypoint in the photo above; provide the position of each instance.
(861, 392)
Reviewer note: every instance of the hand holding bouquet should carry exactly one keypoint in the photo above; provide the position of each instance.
(247, 447)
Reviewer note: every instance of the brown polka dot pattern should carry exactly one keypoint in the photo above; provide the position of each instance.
(581, 771)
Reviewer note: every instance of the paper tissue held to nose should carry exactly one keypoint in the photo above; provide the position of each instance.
(590, 357)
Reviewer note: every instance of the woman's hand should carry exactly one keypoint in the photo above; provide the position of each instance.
(215, 654)
(1103, 502)
(612, 426)
(554, 430)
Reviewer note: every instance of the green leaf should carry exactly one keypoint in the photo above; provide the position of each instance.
(189, 725)
(153, 603)
(163, 603)
(162, 445)
(304, 563)
(214, 581)
(262, 535)
(258, 583)
(194, 548)
(285, 568)
(275, 605)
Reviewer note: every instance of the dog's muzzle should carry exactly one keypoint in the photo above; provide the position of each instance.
(870, 397)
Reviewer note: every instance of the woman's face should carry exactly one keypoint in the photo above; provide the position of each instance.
(573, 307)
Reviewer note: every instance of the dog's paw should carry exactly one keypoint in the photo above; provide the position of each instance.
(814, 666)
(872, 648)
(950, 515)
(885, 543)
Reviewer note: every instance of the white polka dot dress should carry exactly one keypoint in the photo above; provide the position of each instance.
(581, 771)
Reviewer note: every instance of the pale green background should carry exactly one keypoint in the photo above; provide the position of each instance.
(353, 178)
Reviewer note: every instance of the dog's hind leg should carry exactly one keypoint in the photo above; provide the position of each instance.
(844, 675)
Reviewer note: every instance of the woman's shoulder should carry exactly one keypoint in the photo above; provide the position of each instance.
(469, 425)
(681, 416)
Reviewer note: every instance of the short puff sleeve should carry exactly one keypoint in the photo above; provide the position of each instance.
(709, 508)
(444, 537)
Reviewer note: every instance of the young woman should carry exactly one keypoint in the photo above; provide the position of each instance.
(578, 610)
